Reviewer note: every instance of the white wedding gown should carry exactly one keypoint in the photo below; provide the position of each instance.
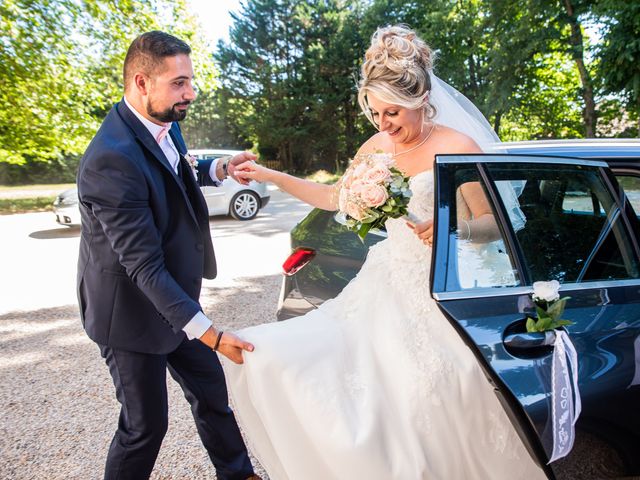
(375, 384)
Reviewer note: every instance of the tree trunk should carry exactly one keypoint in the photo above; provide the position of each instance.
(350, 147)
(577, 52)
(496, 122)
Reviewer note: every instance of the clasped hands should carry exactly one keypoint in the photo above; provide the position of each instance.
(241, 166)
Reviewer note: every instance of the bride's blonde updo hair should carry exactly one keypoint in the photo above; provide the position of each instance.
(396, 70)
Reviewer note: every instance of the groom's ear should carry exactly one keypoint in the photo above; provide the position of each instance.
(141, 83)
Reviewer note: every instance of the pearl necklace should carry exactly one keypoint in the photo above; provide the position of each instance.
(422, 142)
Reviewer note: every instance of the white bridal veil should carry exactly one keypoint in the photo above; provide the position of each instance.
(456, 111)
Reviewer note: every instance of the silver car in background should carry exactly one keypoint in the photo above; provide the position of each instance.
(242, 202)
(65, 208)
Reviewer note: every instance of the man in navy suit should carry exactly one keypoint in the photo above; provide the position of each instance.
(145, 247)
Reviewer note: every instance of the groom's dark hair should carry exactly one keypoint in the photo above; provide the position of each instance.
(147, 52)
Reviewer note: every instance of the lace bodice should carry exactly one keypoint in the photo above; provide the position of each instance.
(402, 240)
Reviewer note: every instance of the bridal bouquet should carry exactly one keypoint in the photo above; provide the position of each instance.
(372, 190)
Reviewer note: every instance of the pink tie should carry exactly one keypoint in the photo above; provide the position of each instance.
(163, 133)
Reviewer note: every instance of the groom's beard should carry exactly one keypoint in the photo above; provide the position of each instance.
(171, 114)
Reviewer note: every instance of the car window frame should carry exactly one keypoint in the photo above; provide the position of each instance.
(627, 171)
(442, 248)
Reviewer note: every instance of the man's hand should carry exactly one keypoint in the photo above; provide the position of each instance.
(230, 345)
(237, 160)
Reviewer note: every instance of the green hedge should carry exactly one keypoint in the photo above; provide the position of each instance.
(32, 172)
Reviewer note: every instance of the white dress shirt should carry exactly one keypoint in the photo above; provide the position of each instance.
(199, 323)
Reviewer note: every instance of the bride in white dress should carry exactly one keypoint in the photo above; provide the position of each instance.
(376, 384)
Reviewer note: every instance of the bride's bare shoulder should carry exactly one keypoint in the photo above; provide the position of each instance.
(449, 140)
(376, 143)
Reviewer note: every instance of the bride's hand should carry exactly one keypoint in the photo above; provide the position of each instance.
(252, 171)
(239, 159)
(424, 231)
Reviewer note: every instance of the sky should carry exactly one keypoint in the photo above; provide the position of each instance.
(214, 17)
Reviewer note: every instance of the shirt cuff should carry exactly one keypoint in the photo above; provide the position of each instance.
(197, 326)
(212, 172)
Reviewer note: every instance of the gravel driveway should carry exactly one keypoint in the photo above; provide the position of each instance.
(59, 408)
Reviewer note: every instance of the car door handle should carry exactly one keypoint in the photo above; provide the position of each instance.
(527, 340)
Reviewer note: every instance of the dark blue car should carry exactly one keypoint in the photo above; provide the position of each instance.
(579, 226)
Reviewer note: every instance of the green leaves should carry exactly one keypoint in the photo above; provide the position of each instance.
(619, 54)
(61, 68)
(549, 316)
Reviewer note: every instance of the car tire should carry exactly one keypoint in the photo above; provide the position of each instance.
(244, 205)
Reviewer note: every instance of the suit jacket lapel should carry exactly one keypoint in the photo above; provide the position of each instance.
(150, 143)
(176, 136)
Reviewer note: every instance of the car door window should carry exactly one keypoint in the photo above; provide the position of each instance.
(479, 257)
(631, 186)
(574, 230)
(561, 221)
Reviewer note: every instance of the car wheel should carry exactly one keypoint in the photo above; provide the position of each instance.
(245, 205)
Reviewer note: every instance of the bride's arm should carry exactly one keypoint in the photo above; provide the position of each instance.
(482, 226)
(315, 194)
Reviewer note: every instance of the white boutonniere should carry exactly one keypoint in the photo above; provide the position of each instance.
(193, 163)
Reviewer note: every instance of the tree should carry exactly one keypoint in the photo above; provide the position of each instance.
(571, 17)
(61, 69)
(619, 53)
(549, 103)
(44, 114)
(288, 79)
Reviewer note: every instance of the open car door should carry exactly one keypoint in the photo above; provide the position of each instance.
(555, 218)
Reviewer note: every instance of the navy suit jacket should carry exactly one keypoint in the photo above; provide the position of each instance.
(145, 243)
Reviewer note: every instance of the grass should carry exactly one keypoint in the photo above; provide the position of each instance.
(23, 205)
(5, 189)
(30, 198)
(322, 176)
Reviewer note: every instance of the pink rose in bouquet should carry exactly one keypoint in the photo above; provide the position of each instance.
(377, 174)
(373, 190)
(374, 195)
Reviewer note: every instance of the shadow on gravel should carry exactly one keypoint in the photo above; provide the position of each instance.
(59, 410)
(64, 232)
(251, 301)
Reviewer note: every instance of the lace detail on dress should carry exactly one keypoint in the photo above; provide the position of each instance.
(408, 269)
(500, 435)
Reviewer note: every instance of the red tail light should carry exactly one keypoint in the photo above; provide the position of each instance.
(298, 259)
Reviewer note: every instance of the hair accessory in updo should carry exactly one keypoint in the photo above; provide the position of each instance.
(406, 64)
(396, 69)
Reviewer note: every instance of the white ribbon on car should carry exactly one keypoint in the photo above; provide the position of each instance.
(565, 396)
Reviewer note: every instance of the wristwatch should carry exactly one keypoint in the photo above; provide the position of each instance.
(225, 165)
